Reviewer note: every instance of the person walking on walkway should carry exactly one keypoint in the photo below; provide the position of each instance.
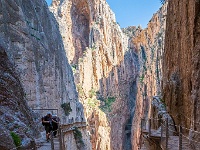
(55, 124)
(47, 122)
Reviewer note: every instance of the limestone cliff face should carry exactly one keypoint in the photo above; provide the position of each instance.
(181, 61)
(149, 45)
(34, 48)
(105, 68)
(15, 115)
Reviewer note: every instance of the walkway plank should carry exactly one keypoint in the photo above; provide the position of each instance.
(47, 145)
(173, 141)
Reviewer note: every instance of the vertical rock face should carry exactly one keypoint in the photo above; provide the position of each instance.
(177, 82)
(33, 59)
(15, 115)
(105, 68)
(149, 44)
(181, 61)
(34, 46)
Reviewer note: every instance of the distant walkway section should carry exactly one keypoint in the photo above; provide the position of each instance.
(166, 136)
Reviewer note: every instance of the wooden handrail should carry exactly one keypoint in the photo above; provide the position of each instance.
(149, 127)
(167, 133)
(64, 128)
(180, 137)
(52, 143)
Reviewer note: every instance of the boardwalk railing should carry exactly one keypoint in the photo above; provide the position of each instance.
(149, 125)
(166, 133)
(62, 130)
(66, 128)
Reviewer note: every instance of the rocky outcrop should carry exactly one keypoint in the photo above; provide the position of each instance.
(105, 69)
(181, 65)
(34, 48)
(15, 115)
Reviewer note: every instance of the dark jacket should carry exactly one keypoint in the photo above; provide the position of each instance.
(46, 118)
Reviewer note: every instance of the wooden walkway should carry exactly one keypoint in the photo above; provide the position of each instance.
(47, 145)
(162, 139)
(58, 143)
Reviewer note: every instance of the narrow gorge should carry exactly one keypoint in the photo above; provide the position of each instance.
(118, 82)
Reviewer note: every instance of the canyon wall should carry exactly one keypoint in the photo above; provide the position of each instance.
(16, 119)
(105, 67)
(36, 57)
(149, 44)
(181, 65)
(34, 46)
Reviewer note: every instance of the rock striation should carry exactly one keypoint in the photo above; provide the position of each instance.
(15, 115)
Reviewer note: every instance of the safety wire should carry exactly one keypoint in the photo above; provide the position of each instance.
(186, 118)
(169, 129)
(183, 134)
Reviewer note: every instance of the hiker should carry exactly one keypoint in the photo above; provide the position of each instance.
(55, 124)
(47, 122)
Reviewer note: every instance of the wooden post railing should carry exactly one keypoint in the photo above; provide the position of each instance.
(63, 141)
(52, 143)
(180, 137)
(167, 133)
(60, 137)
(63, 129)
(161, 138)
(149, 127)
(141, 126)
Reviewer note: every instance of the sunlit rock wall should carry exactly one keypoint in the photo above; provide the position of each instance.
(149, 44)
(15, 115)
(181, 60)
(105, 69)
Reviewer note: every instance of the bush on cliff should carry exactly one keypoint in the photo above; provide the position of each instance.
(16, 139)
(67, 108)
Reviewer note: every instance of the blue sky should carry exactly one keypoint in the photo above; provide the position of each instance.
(132, 12)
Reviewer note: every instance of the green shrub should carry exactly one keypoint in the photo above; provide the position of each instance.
(92, 93)
(142, 78)
(92, 102)
(16, 139)
(80, 90)
(108, 103)
(74, 68)
(163, 102)
(67, 108)
(78, 137)
(77, 133)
